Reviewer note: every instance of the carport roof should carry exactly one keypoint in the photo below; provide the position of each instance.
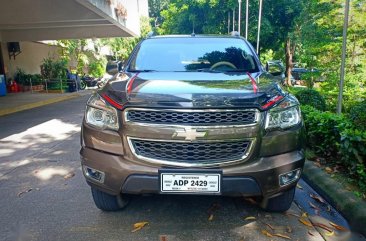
(30, 20)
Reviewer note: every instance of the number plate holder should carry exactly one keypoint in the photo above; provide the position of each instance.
(190, 182)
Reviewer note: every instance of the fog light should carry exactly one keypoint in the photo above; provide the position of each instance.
(94, 174)
(289, 177)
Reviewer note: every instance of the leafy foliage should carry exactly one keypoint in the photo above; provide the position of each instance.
(97, 68)
(311, 97)
(155, 8)
(358, 115)
(53, 69)
(353, 149)
(320, 44)
(20, 76)
(212, 16)
(323, 131)
(122, 47)
(335, 137)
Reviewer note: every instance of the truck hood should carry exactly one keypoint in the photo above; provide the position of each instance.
(192, 89)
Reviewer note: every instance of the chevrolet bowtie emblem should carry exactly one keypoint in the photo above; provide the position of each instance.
(189, 134)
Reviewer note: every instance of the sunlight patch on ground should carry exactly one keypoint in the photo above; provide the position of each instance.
(55, 129)
(46, 132)
(48, 173)
(14, 164)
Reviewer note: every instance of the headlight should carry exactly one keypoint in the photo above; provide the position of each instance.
(285, 115)
(100, 114)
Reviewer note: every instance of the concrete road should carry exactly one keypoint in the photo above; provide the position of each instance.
(44, 195)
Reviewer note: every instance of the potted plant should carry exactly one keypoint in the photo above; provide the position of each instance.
(21, 78)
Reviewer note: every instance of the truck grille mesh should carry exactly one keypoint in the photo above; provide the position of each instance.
(191, 153)
(192, 118)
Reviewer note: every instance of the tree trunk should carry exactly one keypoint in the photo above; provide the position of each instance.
(290, 49)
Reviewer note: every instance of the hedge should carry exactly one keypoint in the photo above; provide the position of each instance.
(336, 137)
(311, 97)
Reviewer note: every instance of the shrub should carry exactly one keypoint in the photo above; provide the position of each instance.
(358, 115)
(311, 97)
(354, 146)
(335, 136)
(323, 131)
(353, 149)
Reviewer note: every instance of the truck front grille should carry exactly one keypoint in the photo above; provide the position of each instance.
(197, 117)
(191, 154)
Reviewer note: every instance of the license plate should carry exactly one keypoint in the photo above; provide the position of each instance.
(190, 182)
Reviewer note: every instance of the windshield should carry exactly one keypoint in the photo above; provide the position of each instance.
(194, 54)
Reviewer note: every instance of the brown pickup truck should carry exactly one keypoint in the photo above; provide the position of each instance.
(192, 115)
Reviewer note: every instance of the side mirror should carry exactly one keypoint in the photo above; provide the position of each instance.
(111, 68)
(267, 67)
(114, 67)
(120, 65)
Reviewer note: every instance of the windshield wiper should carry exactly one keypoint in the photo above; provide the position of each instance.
(141, 70)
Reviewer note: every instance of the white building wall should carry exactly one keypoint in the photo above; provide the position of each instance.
(30, 58)
(143, 8)
(135, 9)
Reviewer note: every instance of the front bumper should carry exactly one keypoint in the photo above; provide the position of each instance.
(258, 178)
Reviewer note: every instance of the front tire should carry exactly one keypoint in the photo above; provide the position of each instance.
(82, 85)
(280, 203)
(107, 202)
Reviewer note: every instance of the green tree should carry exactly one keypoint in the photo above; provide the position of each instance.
(122, 47)
(320, 47)
(155, 8)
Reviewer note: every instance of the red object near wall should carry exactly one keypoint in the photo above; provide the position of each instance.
(13, 87)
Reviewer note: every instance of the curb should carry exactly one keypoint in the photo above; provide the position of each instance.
(11, 110)
(344, 201)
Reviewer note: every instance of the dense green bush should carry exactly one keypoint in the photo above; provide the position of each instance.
(323, 130)
(311, 97)
(337, 138)
(353, 149)
(358, 115)
(53, 69)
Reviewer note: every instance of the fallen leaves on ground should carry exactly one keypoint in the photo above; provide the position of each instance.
(69, 175)
(321, 160)
(214, 207)
(268, 216)
(323, 226)
(329, 233)
(292, 214)
(328, 170)
(25, 191)
(265, 232)
(317, 198)
(138, 226)
(281, 235)
(249, 218)
(317, 164)
(270, 226)
(338, 227)
(306, 223)
(313, 206)
(268, 234)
